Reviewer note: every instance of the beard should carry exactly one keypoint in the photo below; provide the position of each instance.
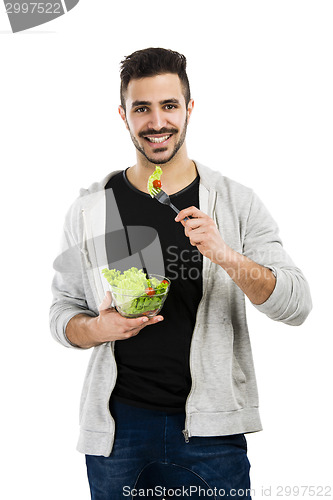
(176, 148)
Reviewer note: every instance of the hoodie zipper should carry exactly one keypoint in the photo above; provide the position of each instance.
(186, 436)
(186, 431)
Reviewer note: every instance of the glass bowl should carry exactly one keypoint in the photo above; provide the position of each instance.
(132, 304)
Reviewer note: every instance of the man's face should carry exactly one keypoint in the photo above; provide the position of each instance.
(156, 116)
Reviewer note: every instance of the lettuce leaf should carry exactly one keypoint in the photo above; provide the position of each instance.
(155, 175)
(129, 290)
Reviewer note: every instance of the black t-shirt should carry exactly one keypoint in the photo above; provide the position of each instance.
(153, 366)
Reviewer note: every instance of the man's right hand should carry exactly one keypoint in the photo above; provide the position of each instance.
(85, 331)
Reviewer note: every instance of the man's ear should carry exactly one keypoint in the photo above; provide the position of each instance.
(122, 113)
(190, 107)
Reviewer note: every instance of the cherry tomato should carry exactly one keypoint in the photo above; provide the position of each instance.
(157, 183)
(165, 281)
(150, 291)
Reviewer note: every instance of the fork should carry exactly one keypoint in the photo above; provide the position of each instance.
(163, 198)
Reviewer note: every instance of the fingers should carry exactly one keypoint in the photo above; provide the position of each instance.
(133, 323)
(155, 319)
(190, 231)
(199, 223)
(134, 330)
(191, 224)
(139, 323)
(105, 304)
(190, 211)
(113, 326)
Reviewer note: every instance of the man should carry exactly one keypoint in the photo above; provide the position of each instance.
(167, 400)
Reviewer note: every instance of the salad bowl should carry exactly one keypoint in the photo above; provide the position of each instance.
(134, 294)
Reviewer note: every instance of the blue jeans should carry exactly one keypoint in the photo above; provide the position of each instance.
(150, 459)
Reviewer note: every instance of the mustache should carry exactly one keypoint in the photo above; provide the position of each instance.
(152, 131)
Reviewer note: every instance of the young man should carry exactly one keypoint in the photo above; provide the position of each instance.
(167, 401)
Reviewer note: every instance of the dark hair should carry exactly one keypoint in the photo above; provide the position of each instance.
(151, 62)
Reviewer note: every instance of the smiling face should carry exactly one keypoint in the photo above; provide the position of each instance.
(156, 116)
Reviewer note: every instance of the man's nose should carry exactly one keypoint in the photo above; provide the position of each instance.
(157, 120)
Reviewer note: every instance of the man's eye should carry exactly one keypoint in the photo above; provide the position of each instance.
(170, 106)
(141, 110)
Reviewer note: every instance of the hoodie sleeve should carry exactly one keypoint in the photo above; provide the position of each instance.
(68, 285)
(290, 301)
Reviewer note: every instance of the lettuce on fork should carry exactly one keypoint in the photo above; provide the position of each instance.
(156, 175)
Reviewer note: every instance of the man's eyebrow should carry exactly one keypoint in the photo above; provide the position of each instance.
(140, 103)
(172, 100)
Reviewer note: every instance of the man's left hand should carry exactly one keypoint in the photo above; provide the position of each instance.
(203, 233)
(255, 280)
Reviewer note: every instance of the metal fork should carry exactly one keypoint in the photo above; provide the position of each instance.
(163, 198)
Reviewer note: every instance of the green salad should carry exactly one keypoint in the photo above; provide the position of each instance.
(134, 293)
(154, 181)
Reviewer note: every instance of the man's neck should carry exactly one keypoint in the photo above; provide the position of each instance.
(177, 174)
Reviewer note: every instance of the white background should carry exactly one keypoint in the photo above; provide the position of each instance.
(261, 77)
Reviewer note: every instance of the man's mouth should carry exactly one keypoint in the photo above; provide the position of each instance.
(157, 139)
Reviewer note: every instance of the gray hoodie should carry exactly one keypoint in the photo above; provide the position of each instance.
(223, 398)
